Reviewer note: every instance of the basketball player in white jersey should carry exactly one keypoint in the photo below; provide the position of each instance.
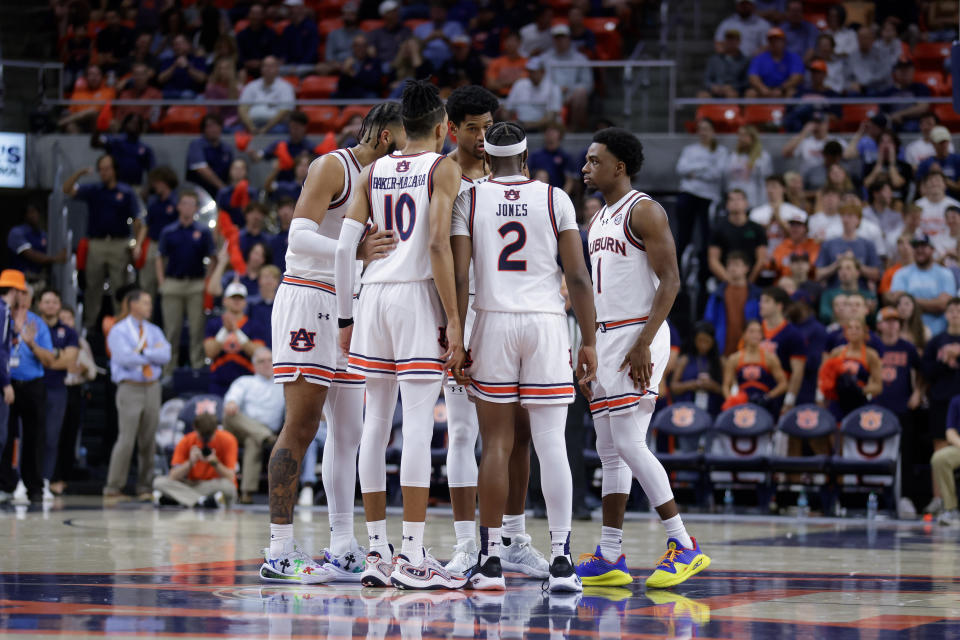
(470, 111)
(308, 364)
(636, 280)
(408, 331)
(513, 228)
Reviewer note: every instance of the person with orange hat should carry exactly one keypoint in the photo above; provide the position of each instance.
(777, 72)
(8, 294)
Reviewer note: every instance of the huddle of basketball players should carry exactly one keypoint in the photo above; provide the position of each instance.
(461, 290)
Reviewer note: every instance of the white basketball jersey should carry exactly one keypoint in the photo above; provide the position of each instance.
(306, 266)
(465, 185)
(623, 282)
(400, 190)
(515, 224)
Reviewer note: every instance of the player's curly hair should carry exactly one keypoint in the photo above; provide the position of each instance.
(505, 133)
(624, 146)
(470, 100)
(378, 119)
(421, 108)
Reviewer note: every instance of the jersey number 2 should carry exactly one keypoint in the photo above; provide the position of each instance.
(395, 217)
(505, 263)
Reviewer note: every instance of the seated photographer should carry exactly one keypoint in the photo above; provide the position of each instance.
(202, 469)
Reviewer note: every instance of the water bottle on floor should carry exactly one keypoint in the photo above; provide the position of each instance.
(728, 501)
(872, 506)
(803, 506)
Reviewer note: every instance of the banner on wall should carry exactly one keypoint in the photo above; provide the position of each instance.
(13, 152)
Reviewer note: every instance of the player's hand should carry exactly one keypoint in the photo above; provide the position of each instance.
(8, 396)
(455, 355)
(229, 323)
(196, 455)
(586, 370)
(376, 244)
(640, 368)
(346, 333)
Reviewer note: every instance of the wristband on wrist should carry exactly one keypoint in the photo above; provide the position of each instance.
(222, 335)
(790, 398)
(343, 323)
(242, 338)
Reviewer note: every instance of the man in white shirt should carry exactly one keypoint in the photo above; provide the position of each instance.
(933, 204)
(808, 144)
(266, 102)
(253, 412)
(753, 29)
(575, 83)
(534, 101)
(535, 38)
(922, 148)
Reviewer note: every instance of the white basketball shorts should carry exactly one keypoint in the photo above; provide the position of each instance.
(614, 391)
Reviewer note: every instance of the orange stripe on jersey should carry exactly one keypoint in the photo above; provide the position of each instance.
(370, 364)
(419, 364)
(619, 402)
(303, 282)
(546, 391)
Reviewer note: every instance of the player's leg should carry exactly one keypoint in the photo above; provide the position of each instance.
(462, 431)
(344, 413)
(372, 471)
(284, 561)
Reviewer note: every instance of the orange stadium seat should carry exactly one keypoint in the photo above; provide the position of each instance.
(182, 119)
(934, 80)
(764, 116)
(948, 117)
(370, 25)
(321, 119)
(279, 26)
(317, 87)
(609, 42)
(328, 26)
(854, 114)
(354, 110)
(725, 118)
(930, 56)
(819, 20)
(326, 8)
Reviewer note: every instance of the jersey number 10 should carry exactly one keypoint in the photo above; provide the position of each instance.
(396, 218)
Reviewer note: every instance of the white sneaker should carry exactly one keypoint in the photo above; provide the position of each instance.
(306, 497)
(563, 577)
(905, 509)
(47, 494)
(949, 518)
(20, 494)
(377, 569)
(293, 567)
(429, 574)
(521, 556)
(464, 556)
(347, 567)
(935, 506)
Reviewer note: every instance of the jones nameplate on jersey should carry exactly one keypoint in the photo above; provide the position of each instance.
(511, 210)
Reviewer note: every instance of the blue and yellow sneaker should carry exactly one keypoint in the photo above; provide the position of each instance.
(677, 564)
(597, 571)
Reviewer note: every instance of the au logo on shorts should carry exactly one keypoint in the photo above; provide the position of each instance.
(403, 166)
(302, 340)
(511, 194)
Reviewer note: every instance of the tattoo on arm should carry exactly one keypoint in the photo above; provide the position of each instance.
(282, 472)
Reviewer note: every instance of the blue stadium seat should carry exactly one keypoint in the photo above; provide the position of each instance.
(686, 423)
(870, 453)
(742, 440)
(804, 422)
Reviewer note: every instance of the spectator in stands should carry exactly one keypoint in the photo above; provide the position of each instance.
(231, 340)
(902, 255)
(510, 66)
(905, 116)
(81, 117)
(756, 371)
(775, 73)
(914, 331)
(826, 221)
(848, 281)
(534, 101)
(553, 159)
(847, 244)
(844, 37)
(698, 374)
(266, 102)
(339, 43)
(934, 203)
(138, 353)
(27, 244)
(139, 88)
(879, 209)
(253, 412)
(222, 85)
(256, 41)
(114, 43)
(386, 40)
(575, 83)
(65, 348)
(735, 302)
(288, 189)
(940, 367)
(736, 233)
(807, 291)
(208, 157)
(221, 277)
(808, 144)
(409, 65)
(923, 147)
(278, 244)
(940, 21)
(300, 39)
(142, 54)
(110, 206)
(748, 166)
(908, 226)
(771, 215)
(582, 38)
(797, 241)
(182, 74)
(785, 340)
(856, 307)
(234, 197)
(815, 93)
(947, 245)
(931, 285)
(752, 29)
(182, 250)
(255, 214)
(437, 33)
(868, 70)
(700, 168)
(801, 35)
(835, 77)
(862, 373)
(260, 309)
(464, 66)
(865, 141)
(133, 157)
(537, 37)
(161, 211)
(943, 159)
(361, 76)
(76, 55)
(296, 143)
(201, 469)
(819, 176)
(945, 461)
(889, 167)
(726, 72)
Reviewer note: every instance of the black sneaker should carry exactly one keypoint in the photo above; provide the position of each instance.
(563, 577)
(487, 576)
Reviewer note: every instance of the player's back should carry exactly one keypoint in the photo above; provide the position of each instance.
(624, 284)
(515, 225)
(400, 187)
(304, 266)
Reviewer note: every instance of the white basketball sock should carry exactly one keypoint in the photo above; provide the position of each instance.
(675, 529)
(611, 543)
(341, 532)
(413, 541)
(465, 530)
(377, 538)
(281, 539)
(513, 526)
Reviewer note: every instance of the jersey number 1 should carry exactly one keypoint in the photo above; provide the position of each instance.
(505, 263)
(393, 216)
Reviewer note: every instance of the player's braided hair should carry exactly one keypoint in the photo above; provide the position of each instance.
(421, 108)
(505, 133)
(378, 119)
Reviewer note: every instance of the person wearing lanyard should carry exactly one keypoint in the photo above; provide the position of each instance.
(32, 351)
(138, 353)
(8, 294)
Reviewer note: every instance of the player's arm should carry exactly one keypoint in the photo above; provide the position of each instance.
(797, 366)
(580, 289)
(346, 254)
(648, 221)
(461, 244)
(446, 185)
(325, 180)
(874, 385)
